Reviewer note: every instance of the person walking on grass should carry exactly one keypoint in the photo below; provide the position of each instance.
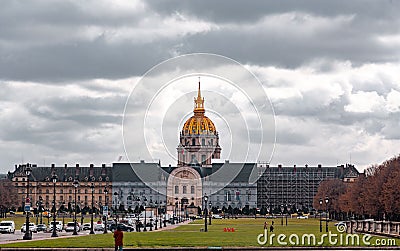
(118, 236)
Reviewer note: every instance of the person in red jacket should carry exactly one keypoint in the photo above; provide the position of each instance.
(118, 236)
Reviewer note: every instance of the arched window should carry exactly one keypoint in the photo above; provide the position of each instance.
(176, 189)
(47, 190)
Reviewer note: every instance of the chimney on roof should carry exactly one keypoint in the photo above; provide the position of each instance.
(52, 169)
(319, 165)
(103, 169)
(227, 161)
(77, 170)
(141, 161)
(91, 170)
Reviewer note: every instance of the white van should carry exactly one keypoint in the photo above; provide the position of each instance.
(59, 226)
(7, 226)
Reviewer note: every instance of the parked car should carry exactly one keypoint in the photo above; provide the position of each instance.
(32, 227)
(59, 226)
(86, 226)
(302, 217)
(216, 216)
(41, 228)
(123, 227)
(99, 227)
(70, 227)
(7, 226)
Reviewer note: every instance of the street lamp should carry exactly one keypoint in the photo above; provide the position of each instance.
(54, 179)
(326, 202)
(320, 215)
(205, 212)
(209, 217)
(156, 215)
(116, 207)
(286, 215)
(165, 214)
(106, 207)
(282, 208)
(145, 213)
(138, 214)
(41, 209)
(91, 216)
(76, 184)
(28, 234)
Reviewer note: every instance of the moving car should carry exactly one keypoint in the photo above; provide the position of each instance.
(123, 227)
(7, 226)
(70, 227)
(216, 216)
(32, 227)
(41, 228)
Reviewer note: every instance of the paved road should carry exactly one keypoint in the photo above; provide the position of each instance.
(18, 236)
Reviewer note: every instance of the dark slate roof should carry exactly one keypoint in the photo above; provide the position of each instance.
(66, 173)
(133, 172)
(245, 172)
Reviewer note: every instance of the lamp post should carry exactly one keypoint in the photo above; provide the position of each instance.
(91, 216)
(320, 216)
(209, 217)
(28, 234)
(76, 184)
(282, 208)
(286, 215)
(116, 207)
(165, 214)
(205, 212)
(156, 215)
(54, 234)
(145, 213)
(160, 214)
(138, 214)
(326, 202)
(106, 207)
(41, 209)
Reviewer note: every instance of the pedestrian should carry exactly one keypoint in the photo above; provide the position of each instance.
(271, 228)
(265, 225)
(272, 223)
(118, 236)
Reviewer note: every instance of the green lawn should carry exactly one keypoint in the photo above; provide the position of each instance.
(245, 234)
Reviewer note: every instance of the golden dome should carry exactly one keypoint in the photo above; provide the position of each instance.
(198, 123)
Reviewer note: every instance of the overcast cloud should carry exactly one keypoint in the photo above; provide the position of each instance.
(331, 70)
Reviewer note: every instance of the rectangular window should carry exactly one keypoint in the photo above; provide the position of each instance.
(193, 157)
(79, 198)
(184, 190)
(203, 159)
(192, 189)
(203, 142)
(100, 198)
(85, 198)
(176, 189)
(69, 198)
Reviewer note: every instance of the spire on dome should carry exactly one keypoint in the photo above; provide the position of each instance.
(199, 103)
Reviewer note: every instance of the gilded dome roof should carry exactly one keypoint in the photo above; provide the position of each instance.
(198, 123)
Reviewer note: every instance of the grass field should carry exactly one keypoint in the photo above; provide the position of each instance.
(245, 234)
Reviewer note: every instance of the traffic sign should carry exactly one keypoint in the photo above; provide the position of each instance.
(105, 210)
(27, 208)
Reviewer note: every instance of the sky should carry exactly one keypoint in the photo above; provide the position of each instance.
(329, 68)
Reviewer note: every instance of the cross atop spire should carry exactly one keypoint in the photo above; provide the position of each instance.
(199, 103)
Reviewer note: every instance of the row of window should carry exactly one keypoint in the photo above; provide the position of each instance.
(184, 189)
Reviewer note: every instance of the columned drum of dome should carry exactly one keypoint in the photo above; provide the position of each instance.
(199, 140)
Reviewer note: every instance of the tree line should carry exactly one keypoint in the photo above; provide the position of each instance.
(374, 196)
